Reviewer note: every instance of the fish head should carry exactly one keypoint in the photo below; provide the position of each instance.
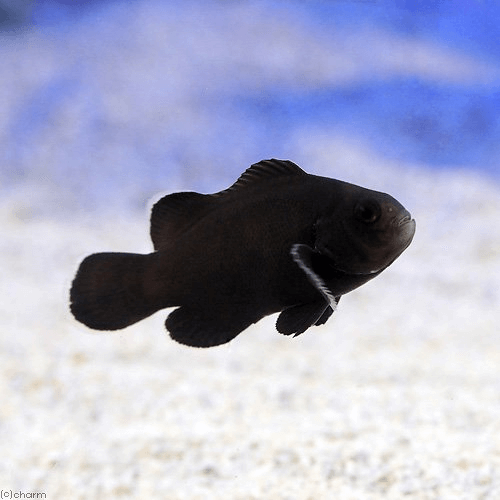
(364, 233)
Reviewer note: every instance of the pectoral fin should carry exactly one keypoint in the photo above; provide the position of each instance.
(302, 255)
(326, 315)
(297, 319)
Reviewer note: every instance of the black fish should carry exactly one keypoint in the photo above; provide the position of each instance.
(278, 239)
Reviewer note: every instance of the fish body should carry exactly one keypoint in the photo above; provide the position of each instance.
(278, 240)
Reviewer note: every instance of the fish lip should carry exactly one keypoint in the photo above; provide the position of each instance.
(410, 233)
(405, 219)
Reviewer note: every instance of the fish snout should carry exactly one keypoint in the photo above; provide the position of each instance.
(405, 226)
(404, 218)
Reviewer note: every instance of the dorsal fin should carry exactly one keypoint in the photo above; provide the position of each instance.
(174, 213)
(262, 171)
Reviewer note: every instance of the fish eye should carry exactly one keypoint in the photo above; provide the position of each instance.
(367, 211)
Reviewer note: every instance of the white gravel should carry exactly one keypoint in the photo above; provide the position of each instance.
(398, 396)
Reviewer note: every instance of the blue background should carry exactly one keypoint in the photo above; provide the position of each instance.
(110, 102)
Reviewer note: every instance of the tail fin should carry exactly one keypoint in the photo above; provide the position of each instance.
(108, 291)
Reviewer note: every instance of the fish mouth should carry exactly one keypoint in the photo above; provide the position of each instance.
(407, 226)
(406, 230)
(405, 219)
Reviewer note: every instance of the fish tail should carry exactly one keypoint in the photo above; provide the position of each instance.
(109, 292)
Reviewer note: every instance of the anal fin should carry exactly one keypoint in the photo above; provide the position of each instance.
(207, 327)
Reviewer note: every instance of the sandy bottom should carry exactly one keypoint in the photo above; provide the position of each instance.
(398, 396)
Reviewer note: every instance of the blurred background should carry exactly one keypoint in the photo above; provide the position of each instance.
(105, 103)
